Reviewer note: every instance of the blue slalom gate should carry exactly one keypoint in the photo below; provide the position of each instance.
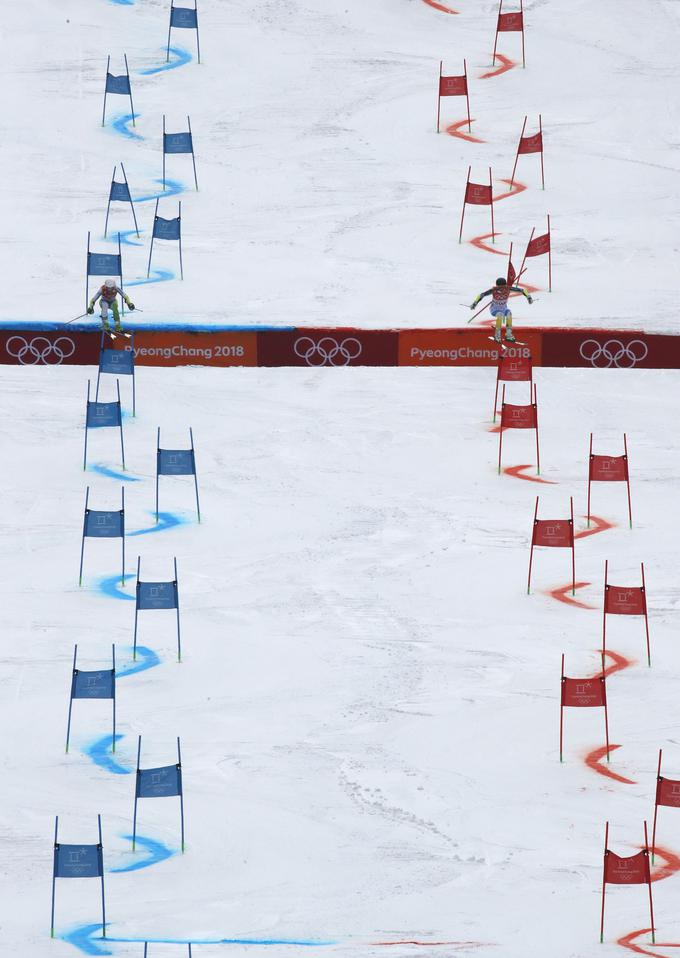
(118, 85)
(162, 782)
(104, 524)
(78, 861)
(99, 415)
(179, 143)
(184, 18)
(117, 362)
(99, 684)
(119, 191)
(167, 230)
(176, 462)
(157, 595)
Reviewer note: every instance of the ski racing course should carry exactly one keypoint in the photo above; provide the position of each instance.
(315, 611)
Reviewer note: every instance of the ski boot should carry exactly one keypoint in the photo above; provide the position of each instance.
(510, 336)
(498, 336)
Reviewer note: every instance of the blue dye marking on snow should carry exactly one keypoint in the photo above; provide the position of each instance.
(182, 58)
(157, 276)
(111, 586)
(124, 238)
(120, 125)
(88, 939)
(172, 188)
(112, 474)
(42, 325)
(101, 754)
(123, 3)
(157, 852)
(149, 660)
(166, 520)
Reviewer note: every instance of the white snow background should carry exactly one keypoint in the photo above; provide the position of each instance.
(368, 701)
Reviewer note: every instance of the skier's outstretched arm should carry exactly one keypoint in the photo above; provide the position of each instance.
(519, 289)
(478, 299)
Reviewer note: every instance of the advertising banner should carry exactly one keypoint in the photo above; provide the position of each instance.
(461, 347)
(328, 347)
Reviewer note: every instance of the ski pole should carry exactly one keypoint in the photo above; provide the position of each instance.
(68, 321)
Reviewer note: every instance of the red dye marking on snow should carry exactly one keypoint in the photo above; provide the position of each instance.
(517, 473)
(515, 188)
(659, 873)
(454, 130)
(598, 525)
(479, 243)
(425, 944)
(594, 758)
(441, 8)
(620, 662)
(628, 941)
(506, 64)
(563, 594)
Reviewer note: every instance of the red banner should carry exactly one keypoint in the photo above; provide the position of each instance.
(461, 347)
(668, 792)
(632, 870)
(510, 22)
(624, 600)
(518, 417)
(329, 348)
(180, 348)
(515, 369)
(608, 468)
(478, 194)
(25, 347)
(584, 693)
(554, 533)
(453, 86)
(615, 349)
(538, 246)
(531, 144)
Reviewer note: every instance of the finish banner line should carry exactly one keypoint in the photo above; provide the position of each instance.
(43, 344)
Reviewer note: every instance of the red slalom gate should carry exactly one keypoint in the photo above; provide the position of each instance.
(667, 793)
(513, 370)
(477, 194)
(625, 600)
(519, 417)
(509, 23)
(630, 870)
(529, 144)
(555, 534)
(609, 469)
(584, 694)
(539, 246)
(453, 86)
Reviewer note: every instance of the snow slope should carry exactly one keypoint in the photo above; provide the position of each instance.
(325, 196)
(368, 701)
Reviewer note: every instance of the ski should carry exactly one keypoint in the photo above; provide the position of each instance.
(506, 344)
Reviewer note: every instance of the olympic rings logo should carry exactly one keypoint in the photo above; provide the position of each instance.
(40, 350)
(613, 353)
(327, 351)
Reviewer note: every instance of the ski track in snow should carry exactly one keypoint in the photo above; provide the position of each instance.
(109, 473)
(440, 7)
(156, 852)
(172, 188)
(100, 753)
(454, 129)
(156, 276)
(148, 660)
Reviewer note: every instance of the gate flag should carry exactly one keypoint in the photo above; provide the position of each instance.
(477, 194)
(157, 595)
(518, 417)
(529, 144)
(120, 191)
(510, 23)
(163, 782)
(625, 600)
(609, 469)
(453, 86)
(584, 693)
(668, 794)
(100, 414)
(176, 462)
(103, 264)
(118, 362)
(78, 861)
(512, 369)
(167, 230)
(104, 524)
(93, 685)
(556, 534)
(631, 870)
(184, 18)
(118, 85)
(539, 246)
(179, 143)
